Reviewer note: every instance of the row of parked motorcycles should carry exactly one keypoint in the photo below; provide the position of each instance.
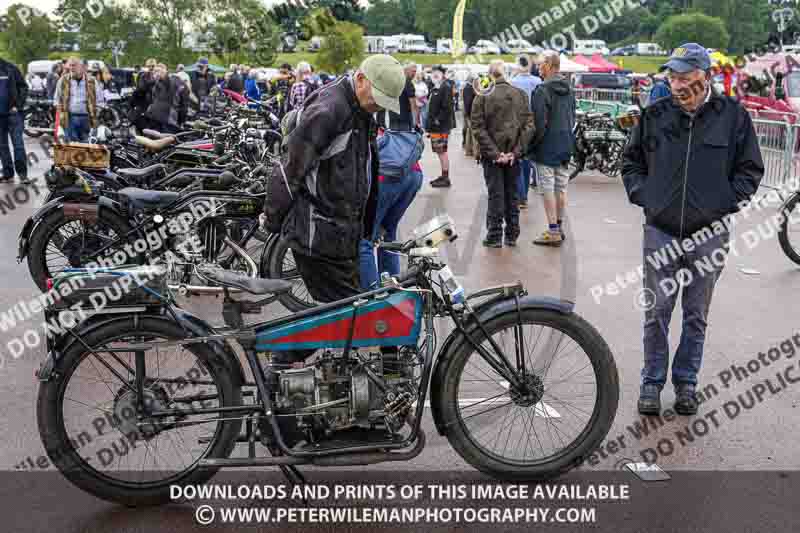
(144, 395)
(224, 163)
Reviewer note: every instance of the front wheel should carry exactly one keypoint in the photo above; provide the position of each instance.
(789, 232)
(559, 413)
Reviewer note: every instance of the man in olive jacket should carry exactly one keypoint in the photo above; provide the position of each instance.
(692, 161)
(503, 125)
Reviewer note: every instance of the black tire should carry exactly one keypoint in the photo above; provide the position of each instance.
(596, 429)
(44, 230)
(29, 132)
(787, 245)
(109, 118)
(298, 299)
(78, 470)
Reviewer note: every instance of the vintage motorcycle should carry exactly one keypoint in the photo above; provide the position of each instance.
(80, 227)
(600, 142)
(143, 395)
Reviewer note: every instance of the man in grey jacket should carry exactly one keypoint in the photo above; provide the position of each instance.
(553, 143)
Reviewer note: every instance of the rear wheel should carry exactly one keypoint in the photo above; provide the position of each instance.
(58, 243)
(96, 432)
(561, 411)
(789, 232)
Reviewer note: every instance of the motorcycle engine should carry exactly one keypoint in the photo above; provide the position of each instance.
(335, 393)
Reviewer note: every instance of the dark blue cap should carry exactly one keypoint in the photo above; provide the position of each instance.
(202, 61)
(688, 57)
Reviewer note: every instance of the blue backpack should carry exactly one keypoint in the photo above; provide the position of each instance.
(398, 151)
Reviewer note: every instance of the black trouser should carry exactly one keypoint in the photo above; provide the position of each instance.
(326, 281)
(501, 181)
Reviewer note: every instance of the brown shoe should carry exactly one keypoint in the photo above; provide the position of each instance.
(549, 239)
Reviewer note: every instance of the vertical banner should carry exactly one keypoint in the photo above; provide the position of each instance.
(458, 29)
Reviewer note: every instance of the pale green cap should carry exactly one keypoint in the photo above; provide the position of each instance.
(388, 80)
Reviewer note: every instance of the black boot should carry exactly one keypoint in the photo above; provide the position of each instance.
(685, 400)
(650, 400)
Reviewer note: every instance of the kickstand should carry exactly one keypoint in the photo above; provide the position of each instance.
(295, 478)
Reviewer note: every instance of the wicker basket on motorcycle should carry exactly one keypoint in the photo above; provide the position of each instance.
(82, 155)
(627, 121)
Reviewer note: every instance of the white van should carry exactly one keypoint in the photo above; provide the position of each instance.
(42, 67)
(445, 46)
(412, 43)
(590, 47)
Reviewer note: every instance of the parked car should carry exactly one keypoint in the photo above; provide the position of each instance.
(600, 80)
(520, 46)
(485, 47)
(624, 50)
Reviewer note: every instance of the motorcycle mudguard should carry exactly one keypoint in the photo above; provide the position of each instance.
(30, 224)
(266, 255)
(53, 205)
(224, 356)
(486, 311)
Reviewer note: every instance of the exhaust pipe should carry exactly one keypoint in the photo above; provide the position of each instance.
(348, 459)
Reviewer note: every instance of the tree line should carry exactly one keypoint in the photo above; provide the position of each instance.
(737, 26)
(246, 31)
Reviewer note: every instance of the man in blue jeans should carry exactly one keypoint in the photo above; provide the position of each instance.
(692, 161)
(77, 97)
(394, 198)
(528, 83)
(13, 93)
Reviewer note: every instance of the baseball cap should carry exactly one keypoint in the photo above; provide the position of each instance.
(388, 80)
(202, 61)
(688, 57)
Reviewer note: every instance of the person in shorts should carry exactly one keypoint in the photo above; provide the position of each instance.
(439, 124)
(552, 144)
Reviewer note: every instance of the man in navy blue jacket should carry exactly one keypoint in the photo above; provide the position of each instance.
(13, 93)
(692, 161)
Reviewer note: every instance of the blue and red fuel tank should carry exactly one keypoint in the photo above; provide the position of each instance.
(395, 320)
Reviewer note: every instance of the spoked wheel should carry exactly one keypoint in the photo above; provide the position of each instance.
(282, 266)
(58, 243)
(789, 232)
(561, 410)
(98, 435)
